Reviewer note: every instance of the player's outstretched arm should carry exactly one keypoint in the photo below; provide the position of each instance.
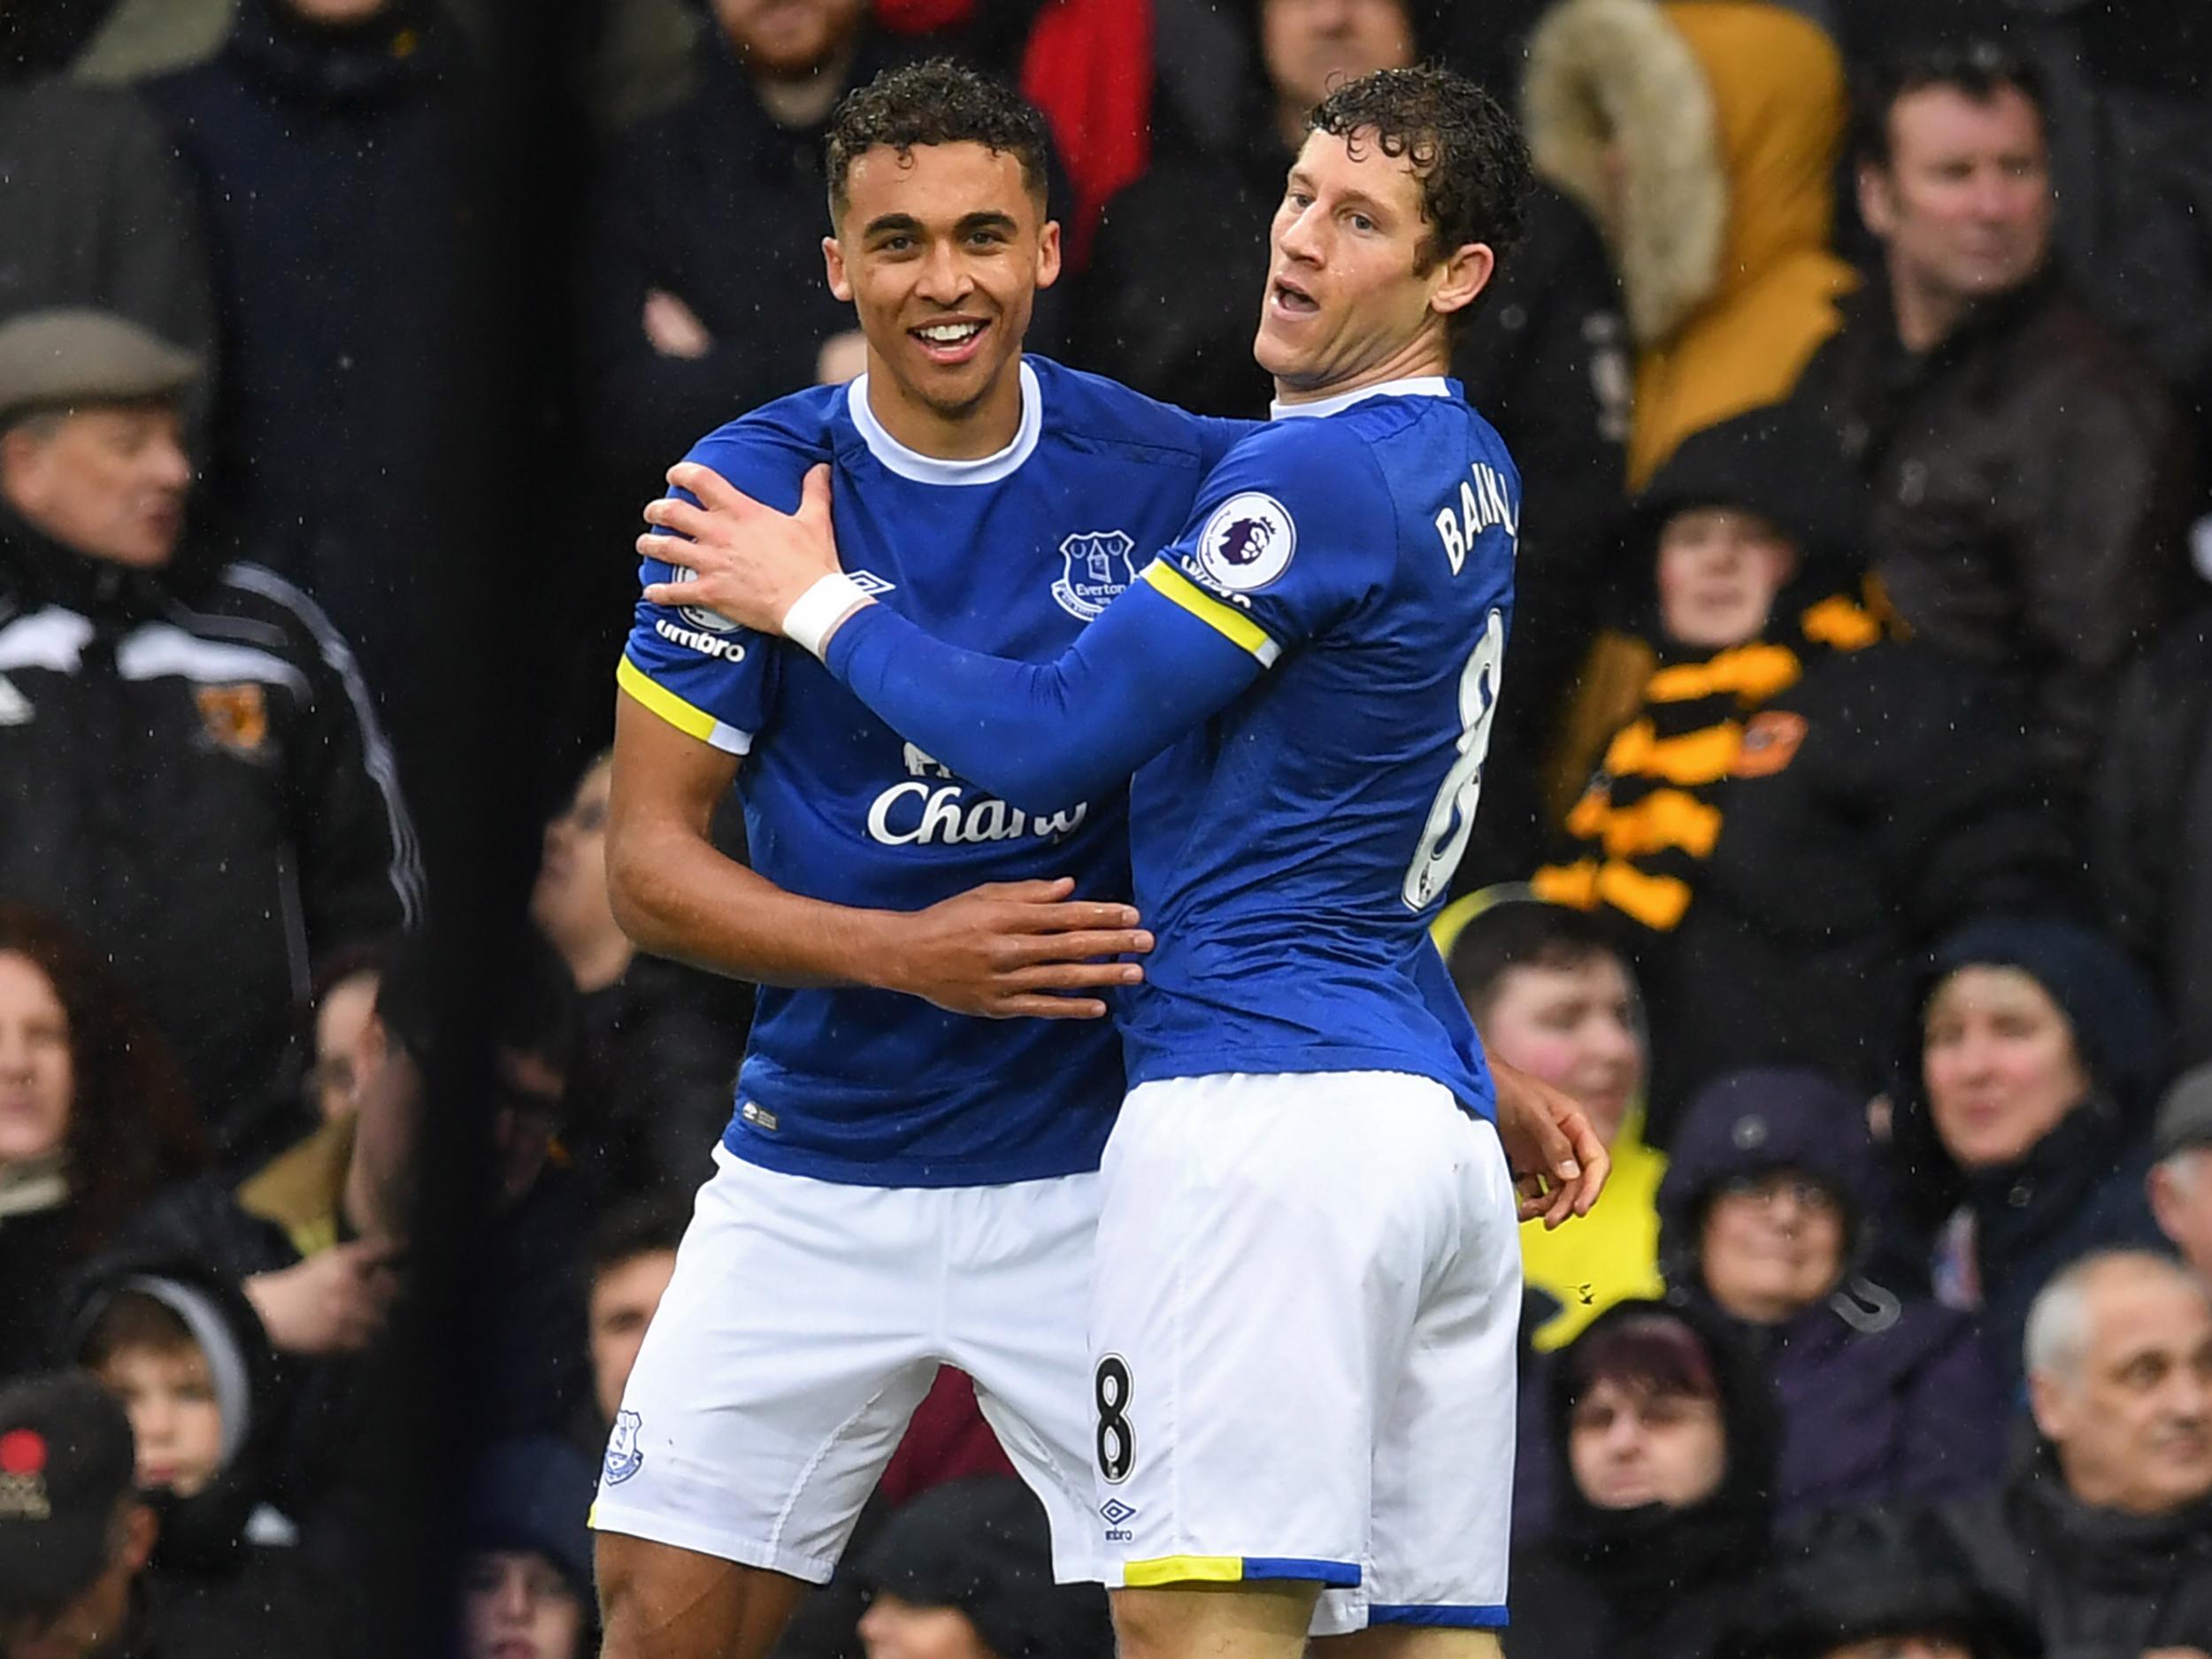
(1042, 735)
(1012, 949)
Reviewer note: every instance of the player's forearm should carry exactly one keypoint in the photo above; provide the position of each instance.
(1042, 735)
(675, 895)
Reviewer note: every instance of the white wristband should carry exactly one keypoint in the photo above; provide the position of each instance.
(819, 608)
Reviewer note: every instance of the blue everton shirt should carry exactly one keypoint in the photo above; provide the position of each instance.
(1011, 555)
(1306, 677)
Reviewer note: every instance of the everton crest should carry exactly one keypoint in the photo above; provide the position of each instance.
(1097, 569)
(623, 1457)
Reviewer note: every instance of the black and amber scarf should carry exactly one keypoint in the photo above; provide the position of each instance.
(1652, 812)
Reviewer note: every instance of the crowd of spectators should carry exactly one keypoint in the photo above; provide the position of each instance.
(1845, 848)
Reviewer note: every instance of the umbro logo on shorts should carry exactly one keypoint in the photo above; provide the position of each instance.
(1116, 1511)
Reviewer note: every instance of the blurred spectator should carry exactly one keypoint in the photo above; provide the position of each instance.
(1702, 140)
(1662, 1440)
(93, 212)
(2151, 822)
(184, 1352)
(2028, 489)
(1139, 316)
(1551, 996)
(526, 1592)
(93, 1119)
(964, 1571)
(657, 1074)
(2026, 1139)
(703, 293)
(2104, 1528)
(315, 1235)
(1772, 1199)
(345, 1003)
(1880, 1585)
(1794, 803)
(2129, 133)
(75, 1536)
(2180, 1183)
(321, 143)
(194, 777)
(627, 1265)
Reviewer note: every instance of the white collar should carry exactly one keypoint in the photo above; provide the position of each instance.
(929, 469)
(1413, 386)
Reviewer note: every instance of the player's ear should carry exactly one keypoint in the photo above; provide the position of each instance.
(1461, 278)
(834, 265)
(1049, 254)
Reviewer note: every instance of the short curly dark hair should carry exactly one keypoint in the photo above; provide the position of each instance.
(937, 102)
(1468, 151)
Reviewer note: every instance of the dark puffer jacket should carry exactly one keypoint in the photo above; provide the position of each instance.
(1883, 1396)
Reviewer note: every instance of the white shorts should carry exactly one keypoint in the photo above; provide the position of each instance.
(1308, 1290)
(805, 1321)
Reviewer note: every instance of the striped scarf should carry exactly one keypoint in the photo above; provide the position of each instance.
(1652, 812)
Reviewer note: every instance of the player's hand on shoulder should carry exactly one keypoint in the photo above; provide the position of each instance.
(1559, 1161)
(750, 562)
(1015, 949)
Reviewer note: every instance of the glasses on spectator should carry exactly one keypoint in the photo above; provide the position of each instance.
(1814, 1198)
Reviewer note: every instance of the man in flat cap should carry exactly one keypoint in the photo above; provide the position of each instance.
(2180, 1182)
(75, 1536)
(190, 771)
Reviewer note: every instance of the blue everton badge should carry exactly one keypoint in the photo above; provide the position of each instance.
(623, 1457)
(1097, 569)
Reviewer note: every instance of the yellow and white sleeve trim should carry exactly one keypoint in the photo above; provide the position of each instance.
(1226, 621)
(691, 722)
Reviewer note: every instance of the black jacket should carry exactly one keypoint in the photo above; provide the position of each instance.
(1141, 316)
(658, 1078)
(190, 775)
(2101, 1584)
(2150, 824)
(2029, 484)
(325, 164)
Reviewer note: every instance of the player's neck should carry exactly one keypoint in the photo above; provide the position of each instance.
(1426, 354)
(981, 429)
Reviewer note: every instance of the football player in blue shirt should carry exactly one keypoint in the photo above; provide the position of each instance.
(1307, 1279)
(901, 1185)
